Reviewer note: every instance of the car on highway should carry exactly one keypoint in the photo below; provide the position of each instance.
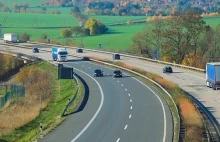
(79, 50)
(116, 56)
(35, 50)
(167, 69)
(117, 73)
(98, 72)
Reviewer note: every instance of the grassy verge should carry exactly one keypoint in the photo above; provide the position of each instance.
(191, 118)
(49, 116)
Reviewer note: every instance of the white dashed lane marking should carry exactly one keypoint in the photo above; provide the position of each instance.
(122, 85)
(125, 127)
(130, 116)
(131, 107)
(130, 100)
(118, 140)
(129, 95)
(126, 89)
(118, 81)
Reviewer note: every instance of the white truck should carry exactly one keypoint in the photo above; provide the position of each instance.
(59, 54)
(10, 37)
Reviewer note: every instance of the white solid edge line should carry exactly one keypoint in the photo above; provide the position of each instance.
(95, 115)
(118, 140)
(125, 127)
(164, 115)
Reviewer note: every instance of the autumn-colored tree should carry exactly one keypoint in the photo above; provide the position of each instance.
(95, 27)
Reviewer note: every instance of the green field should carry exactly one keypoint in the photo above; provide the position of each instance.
(117, 38)
(36, 20)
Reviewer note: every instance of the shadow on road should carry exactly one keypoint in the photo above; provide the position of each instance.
(84, 98)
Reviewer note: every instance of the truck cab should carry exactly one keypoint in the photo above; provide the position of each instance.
(59, 54)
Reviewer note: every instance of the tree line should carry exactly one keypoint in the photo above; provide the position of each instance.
(137, 7)
(185, 39)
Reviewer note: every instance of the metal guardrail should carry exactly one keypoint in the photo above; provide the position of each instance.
(127, 55)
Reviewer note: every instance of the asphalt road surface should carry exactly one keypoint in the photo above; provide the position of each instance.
(118, 109)
(190, 81)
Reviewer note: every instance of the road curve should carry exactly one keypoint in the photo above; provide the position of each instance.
(190, 81)
(130, 112)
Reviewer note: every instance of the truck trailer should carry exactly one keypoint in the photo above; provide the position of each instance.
(213, 75)
(59, 54)
(10, 37)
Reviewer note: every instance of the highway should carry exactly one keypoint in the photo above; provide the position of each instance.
(120, 110)
(190, 81)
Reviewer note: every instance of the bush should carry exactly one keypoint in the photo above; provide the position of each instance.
(25, 37)
(44, 36)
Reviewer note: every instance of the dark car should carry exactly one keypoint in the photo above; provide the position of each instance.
(79, 50)
(35, 50)
(85, 58)
(98, 72)
(167, 69)
(116, 57)
(117, 73)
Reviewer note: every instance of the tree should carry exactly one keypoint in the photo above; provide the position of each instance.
(44, 9)
(142, 43)
(95, 27)
(25, 37)
(75, 10)
(66, 33)
(76, 30)
(25, 6)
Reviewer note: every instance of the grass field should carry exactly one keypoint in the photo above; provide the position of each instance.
(36, 20)
(117, 38)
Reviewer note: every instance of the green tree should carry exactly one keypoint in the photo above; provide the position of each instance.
(76, 30)
(66, 33)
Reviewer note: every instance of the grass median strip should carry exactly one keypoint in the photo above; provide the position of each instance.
(50, 110)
